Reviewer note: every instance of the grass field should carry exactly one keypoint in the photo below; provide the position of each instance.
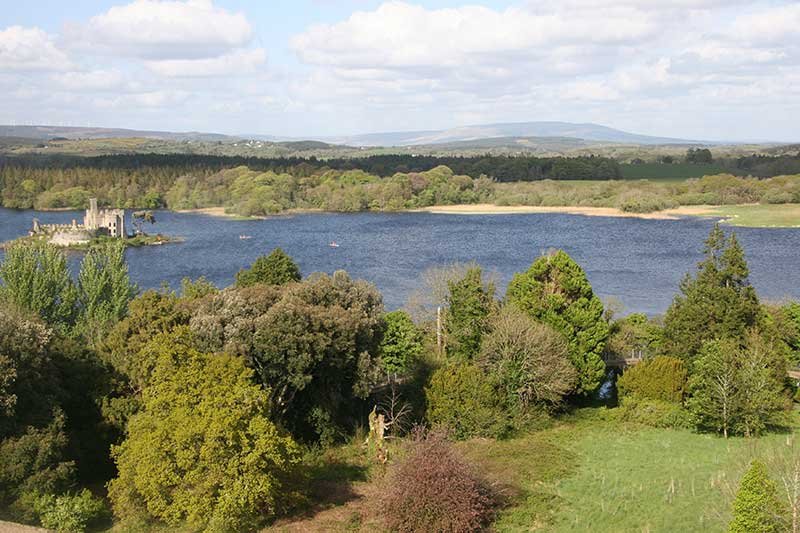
(585, 474)
(760, 215)
(679, 171)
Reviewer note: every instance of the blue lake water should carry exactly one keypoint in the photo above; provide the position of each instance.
(639, 262)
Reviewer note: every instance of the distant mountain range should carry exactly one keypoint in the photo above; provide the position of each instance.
(585, 132)
(70, 132)
(477, 136)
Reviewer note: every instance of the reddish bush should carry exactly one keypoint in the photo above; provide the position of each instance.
(434, 490)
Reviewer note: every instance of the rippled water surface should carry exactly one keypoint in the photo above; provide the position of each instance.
(639, 262)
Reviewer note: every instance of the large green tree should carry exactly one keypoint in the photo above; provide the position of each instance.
(317, 350)
(105, 290)
(555, 291)
(35, 278)
(529, 360)
(717, 303)
(277, 268)
(469, 303)
(203, 449)
(737, 388)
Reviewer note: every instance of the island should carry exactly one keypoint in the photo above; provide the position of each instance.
(98, 225)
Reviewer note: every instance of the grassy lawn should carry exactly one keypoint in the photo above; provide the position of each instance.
(582, 474)
(761, 215)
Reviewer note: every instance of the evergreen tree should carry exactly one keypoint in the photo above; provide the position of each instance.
(277, 268)
(756, 508)
(555, 291)
(35, 278)
(402, 343)
(469, 303)
(718, 302)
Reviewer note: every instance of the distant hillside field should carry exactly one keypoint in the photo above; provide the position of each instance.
(675, 171)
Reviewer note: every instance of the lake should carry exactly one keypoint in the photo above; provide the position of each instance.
(639, 262)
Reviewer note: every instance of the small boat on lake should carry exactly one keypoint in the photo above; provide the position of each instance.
(334, 244)
(245, 237)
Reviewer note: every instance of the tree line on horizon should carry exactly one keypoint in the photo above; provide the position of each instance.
(249, 192)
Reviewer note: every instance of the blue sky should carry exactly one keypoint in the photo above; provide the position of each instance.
(703, 69)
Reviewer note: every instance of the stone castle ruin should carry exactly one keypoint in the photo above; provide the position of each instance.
(110, 222)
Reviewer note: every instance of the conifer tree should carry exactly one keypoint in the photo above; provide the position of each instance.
(756, 508)
(717, 303)
(555, 291)
(469, 304)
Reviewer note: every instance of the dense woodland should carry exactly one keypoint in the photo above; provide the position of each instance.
(251, 186)
(217, 409)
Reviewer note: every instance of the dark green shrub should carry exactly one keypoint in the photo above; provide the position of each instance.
(277, 268)
(434, 489)
(35, 462)
(464, 401)
(660, 378)
(654, 413)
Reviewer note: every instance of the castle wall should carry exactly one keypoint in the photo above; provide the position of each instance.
(71, 237)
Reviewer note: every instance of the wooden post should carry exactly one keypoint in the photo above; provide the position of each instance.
(439, 330)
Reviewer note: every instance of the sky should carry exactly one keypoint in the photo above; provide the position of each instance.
(724, 70)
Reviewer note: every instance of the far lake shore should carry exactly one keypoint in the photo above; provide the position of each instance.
(742, 215)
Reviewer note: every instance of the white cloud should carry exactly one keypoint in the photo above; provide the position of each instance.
(237, 63)
(30, 49)
(777, 24)
(154, 29)
(402, 35)
(147, 100)
(93, 80)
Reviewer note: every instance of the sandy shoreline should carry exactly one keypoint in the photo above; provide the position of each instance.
(220, 212)
(490, 209)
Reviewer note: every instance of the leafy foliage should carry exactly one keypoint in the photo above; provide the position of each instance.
(35, 278)
(529, 360)
(654, 413)
(193, 290)
(401, 345)
(634, 336)
(466, 403)
(555, 291)
(738, 389)
(433, 489)
(104, 289)
(317, 350)
(35, 462)
(70, 513)
(660, 378)
(203, 449)
(756, 508)
(275, 269)
(469, 303)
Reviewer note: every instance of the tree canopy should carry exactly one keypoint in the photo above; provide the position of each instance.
(555, 291)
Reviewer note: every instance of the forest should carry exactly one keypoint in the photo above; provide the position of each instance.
(245, 407)
(259, 187)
